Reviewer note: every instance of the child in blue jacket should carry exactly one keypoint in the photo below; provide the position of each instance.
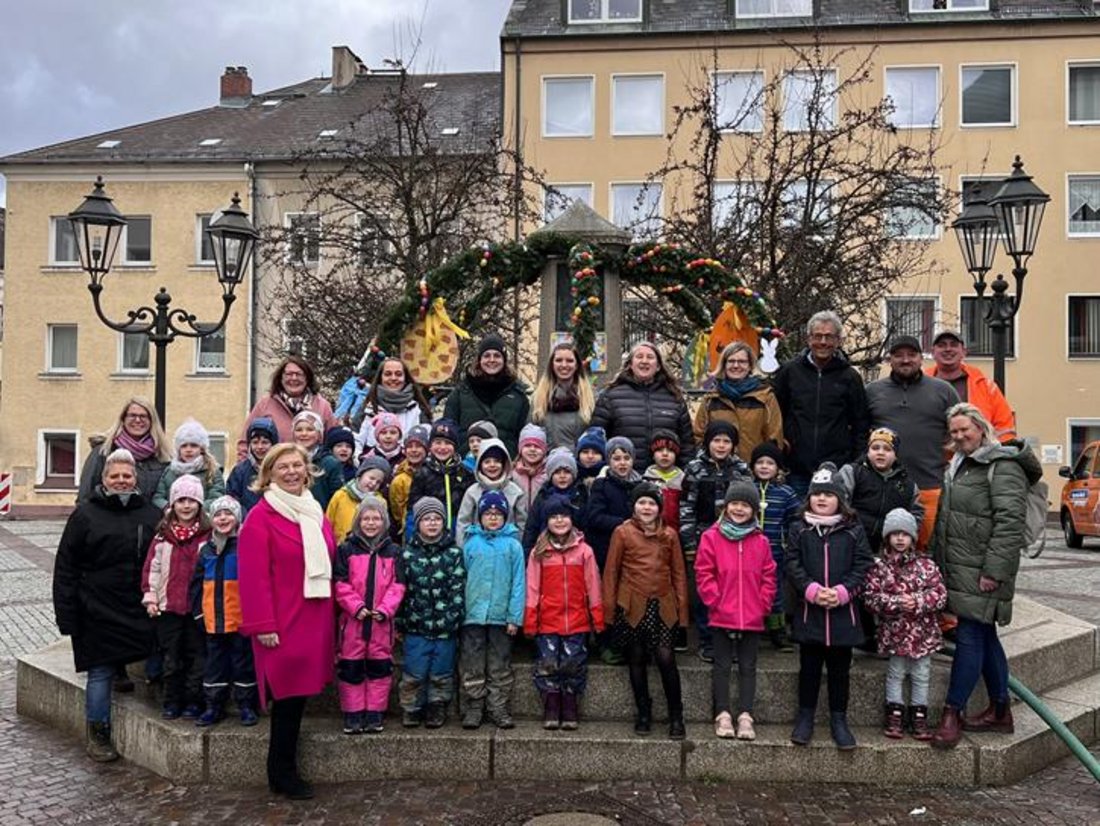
(779, 504)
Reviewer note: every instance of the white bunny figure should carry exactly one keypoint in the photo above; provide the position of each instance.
(768, 362)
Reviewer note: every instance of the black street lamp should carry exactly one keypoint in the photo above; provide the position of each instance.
(98, 226)
(1013, 210)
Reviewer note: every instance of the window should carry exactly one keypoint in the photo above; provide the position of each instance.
(912, 316)
(948, 5)
(60, 348)
(736, 204)
(1084, 326)
(294, 341)
(204, 250)
(809, 101)
(637, 207)
(567, 107)
(374, 246)
(637, 104)
(605, 11)
(988, 95)
(559, 196)
(57, 467)
(915, 94)
(304, 237)
(1081, 433)
(63, 242)
(799, 208)
(775, 8)
(739, 101)
(1084, 93)
(137, 240)
(217, 448)
(915, 214)
(1084, 205)
(210, 353)
(133, 353)
(975, 331)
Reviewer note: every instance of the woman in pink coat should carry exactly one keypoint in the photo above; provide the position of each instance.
(293, 389)
(285, 556)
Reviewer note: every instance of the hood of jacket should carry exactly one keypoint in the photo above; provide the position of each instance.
(1015, 450)
(506, 474)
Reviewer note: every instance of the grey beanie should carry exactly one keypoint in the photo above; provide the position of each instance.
(372, 501)
(620, 443)
(225, 503)
(426, 505)
(372, 462)
(742, 490)
(899, 519)
(561, 458)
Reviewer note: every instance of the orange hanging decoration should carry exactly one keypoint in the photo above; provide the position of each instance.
(731, 325)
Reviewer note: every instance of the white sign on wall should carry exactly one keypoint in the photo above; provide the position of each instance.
(1051, 454)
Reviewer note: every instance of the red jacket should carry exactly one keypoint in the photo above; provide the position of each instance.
(563, 589)
(735, 579)
(168, 571)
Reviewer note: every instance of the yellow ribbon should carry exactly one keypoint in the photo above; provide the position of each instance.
(698, 357)
(735, 315)
(437, 320)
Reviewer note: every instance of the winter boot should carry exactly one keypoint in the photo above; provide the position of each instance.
(373, 723)
(803, 731)
(99, 746)
(948, 734)
(192, 711)
(894, 724)
(248, 716)
(471, 718)
(842, 735)
(996, 718)
(413, 718)
(569, 711)
(170, 711)
(551, 710)
(213, 714)
(918, 723)
(436, 715)
(643, 718)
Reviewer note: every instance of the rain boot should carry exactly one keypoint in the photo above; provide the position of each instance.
(99, 746)
(551, 710)
(569, 711)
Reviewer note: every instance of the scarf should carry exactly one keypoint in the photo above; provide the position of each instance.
(564, 399)
(395, 401)
(820, 522)
(182, 532)
(733, 390)
(306, 512)
(194, 467)
(296, 404)
(354, 492)
(141, 449)
(734, 532)
(489, 388)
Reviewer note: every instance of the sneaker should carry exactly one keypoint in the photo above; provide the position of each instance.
(248, 716)
(171, 711)
(723, 726)
(412, 719)
(373, 724)
(211, 716)
(191, 711)
(745, 731)
(470, 720)
(680, 640)
(706, 654)
(351, 722)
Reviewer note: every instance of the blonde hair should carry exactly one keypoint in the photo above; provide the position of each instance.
(544, 390)
(263, 477)
(731, 348)
(156, 429)
(989, 434)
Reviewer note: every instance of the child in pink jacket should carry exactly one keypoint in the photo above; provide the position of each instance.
(369, 589)
(735, 578)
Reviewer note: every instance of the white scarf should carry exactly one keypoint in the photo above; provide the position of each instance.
(306, 511)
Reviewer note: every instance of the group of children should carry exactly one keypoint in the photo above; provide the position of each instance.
(458, 554)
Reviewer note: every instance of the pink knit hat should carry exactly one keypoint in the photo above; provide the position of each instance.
(386, 419)
(185, 487)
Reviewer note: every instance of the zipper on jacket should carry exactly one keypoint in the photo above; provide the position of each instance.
(741, 581)
(817, 412)
(219, 593)
(828, 635)
(565, 581)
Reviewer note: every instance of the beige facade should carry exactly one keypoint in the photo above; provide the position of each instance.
(1055, 392)
(67, 375)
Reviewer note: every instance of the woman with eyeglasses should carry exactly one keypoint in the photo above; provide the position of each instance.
(743, 400)
(293, 389)
(138, 430)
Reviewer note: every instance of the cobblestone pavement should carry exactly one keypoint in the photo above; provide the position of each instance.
(45, 778)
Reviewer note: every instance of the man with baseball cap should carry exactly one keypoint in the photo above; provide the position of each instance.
(972, 385)
(915, 406)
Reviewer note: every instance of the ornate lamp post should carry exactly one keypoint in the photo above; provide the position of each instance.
(1014, 211)
(98, 225)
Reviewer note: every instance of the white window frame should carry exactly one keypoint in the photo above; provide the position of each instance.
(756, 113)
(589, 185)
(833, 117)
(605, 15)
(384, 246)
(950, 8)
(937, 315)
(223, 437)
(42, 458)
(61, 371)
(1074, 64)
(826, 184)
(199, 236)
(938, 117)
(54, 261)
(660, 76)
(1014, 91)
(1072, 422)
(1070, 176)
(937, 233)
(132, 371)
(658, 217)
(772, 14)
(212, 371)
(287, 253)
(1070, 357)
(591, 106)
(284, 327)
(125, 260)
(1015, 337)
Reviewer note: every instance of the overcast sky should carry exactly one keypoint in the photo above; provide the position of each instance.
(70, 68)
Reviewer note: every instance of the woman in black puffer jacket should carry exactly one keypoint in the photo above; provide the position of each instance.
(641, 399)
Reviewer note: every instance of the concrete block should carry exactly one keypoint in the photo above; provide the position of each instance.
(171, 748)
(1004, 759)
(49, 690)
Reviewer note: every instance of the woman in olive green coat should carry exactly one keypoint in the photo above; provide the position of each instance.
(976, 544)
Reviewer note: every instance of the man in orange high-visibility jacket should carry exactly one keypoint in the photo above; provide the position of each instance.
(972, 385)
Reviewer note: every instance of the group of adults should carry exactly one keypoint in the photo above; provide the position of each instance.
(816, 408)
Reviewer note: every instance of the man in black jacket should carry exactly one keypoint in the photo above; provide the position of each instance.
(825, 417)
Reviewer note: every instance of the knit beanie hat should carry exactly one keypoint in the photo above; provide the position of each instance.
(769, 450)
(719, 427)
(372, 501)
(827, 480)
(483, 430)
(663, 438)
(314, 420)
(492, 499)
(263, 426)
(532, 434)
(192, 433)
(557, 503)
(742, 490)
(374, 462)
(899, 519)
(594, 438)
(445, 429)
(425, 505)
(619, 443)
(492, 342)
(386, 419)
(421, 434)
(885, 434)
(559, 458)
(339, 436)
(225, 503)
(645, 490)
(186, 487)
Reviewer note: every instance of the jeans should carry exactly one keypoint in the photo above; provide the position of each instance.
(746, 644)
(920, 672)
(485, 666)
(978, 652)
(97, 696)
(813, 657)
(429, 671)
(561, 663)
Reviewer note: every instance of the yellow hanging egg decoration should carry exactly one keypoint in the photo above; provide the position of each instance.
(430, 347)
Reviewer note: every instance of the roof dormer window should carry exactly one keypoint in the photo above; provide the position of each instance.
(325, 134)
(605, 11)
(210, 141)
(948, 5)
(775, 8)
(107, 144)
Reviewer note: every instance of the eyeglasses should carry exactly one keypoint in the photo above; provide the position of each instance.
(137, 417)
(823, 336)
(739, 362)
(293, 374)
